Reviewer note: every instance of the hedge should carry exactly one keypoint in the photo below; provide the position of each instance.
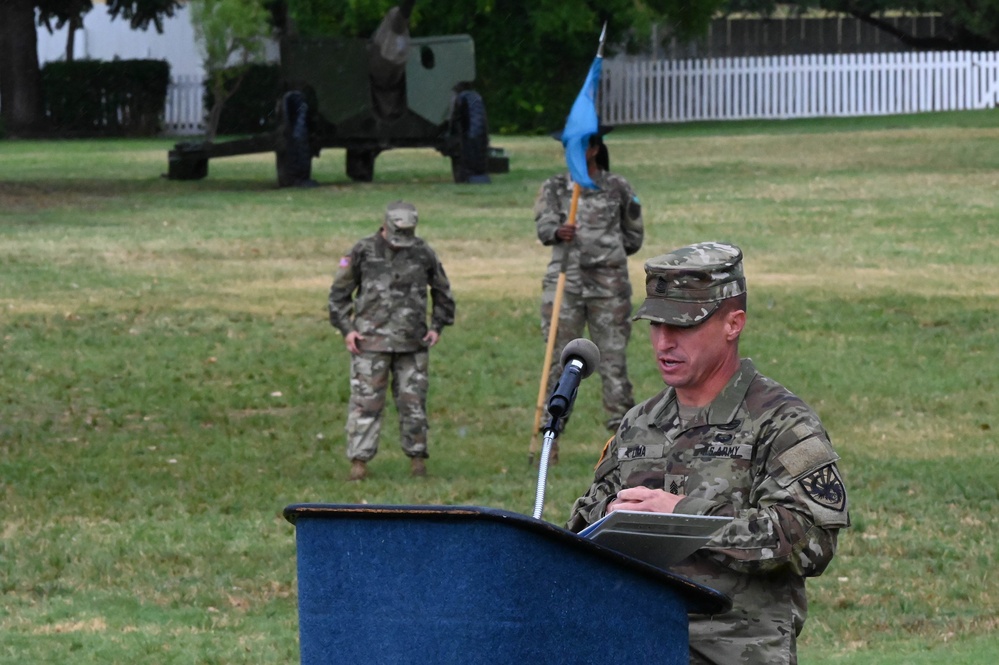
(105, 98)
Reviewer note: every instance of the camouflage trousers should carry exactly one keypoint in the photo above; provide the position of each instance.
(369, 382)
(609, 323)
(724, 640)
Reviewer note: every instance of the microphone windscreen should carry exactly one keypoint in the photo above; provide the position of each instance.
(586, 351)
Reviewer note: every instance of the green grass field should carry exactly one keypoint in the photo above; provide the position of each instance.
(169, 381)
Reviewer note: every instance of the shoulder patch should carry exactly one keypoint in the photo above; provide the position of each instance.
(607, 461)
(809, 454)
(825, 487)
(345, 261)
(603, 453)
(634, 208)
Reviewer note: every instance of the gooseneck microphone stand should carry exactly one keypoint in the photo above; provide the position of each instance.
(579, 358)
(550, 434)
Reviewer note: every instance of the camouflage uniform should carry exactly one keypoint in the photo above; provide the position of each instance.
(597, 289)
(381, 292)
(756, 453)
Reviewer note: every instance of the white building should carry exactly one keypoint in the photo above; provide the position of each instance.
(104, 39)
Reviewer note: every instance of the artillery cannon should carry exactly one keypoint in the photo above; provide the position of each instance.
(367, 96)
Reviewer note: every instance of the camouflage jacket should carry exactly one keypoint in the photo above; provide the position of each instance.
(382, 293)
(609, 230)
(757, 454)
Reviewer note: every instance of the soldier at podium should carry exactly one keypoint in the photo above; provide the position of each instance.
(722, 439)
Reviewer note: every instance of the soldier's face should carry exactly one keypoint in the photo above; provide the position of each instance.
(699, 360)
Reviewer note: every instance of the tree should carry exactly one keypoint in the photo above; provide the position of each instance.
(20, 75)
(531, 55)
(20, 79)
(228, 30)
(971, 25)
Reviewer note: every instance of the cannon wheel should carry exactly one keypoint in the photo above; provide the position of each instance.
(468, 122)
(294, 155)
(361, 165)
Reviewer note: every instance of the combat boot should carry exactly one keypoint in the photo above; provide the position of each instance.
(418, 468)
(358, 469)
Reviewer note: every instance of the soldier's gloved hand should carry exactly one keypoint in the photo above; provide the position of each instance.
(352, 341)
(566, 232)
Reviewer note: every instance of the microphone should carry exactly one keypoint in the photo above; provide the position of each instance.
(579, 358)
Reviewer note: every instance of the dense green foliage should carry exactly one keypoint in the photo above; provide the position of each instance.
(531, 55)
(94, 98)
(251, 108)
(231, 36)
(169, 381)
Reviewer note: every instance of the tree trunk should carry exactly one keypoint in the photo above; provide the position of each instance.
(20, 75)
(214, 115)
(222, 93)
(72, 26)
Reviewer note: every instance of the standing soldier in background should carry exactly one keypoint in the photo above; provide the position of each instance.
(594, 248)
(378, 301)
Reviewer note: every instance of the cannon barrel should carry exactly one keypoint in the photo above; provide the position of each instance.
(388, 52)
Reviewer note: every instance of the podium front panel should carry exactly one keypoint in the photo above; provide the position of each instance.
(384, 585)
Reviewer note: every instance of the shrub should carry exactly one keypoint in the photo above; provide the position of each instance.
(105, 98)
(251, 109)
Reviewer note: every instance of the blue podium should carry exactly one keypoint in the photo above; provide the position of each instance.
(465, 584)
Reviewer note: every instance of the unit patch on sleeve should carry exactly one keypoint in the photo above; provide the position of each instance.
(634, 208)
(825, 487)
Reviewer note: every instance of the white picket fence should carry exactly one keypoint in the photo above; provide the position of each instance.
(184, 114)
(665, 91)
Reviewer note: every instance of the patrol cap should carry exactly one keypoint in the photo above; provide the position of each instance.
(400, 223)
(686, 286)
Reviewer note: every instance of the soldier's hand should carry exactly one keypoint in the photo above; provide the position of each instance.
(353, 340)
(645, 500)
(431, 338)
(566, 232)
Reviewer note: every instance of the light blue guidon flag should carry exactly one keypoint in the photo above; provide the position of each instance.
(581, 124)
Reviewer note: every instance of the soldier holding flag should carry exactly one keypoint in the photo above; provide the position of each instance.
(607, 229)
(592, 219)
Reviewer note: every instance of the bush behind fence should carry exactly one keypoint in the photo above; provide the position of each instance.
(94, 97)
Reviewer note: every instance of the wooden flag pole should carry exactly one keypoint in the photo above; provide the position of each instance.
(583, 122)
(552, 333)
